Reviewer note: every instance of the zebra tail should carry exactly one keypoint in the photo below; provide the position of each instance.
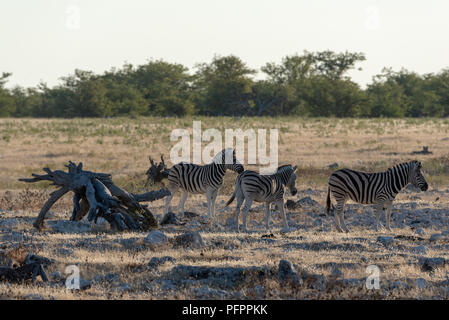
(328, 202)
(230, 200)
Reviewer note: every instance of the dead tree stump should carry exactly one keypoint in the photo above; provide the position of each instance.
(95, 195)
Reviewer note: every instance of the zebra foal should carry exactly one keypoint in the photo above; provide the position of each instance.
(378, 188)
(208, 179)
(251, 186)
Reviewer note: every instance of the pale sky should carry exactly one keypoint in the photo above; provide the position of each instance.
(48, 39)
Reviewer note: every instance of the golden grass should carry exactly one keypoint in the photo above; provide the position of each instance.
(122, 146)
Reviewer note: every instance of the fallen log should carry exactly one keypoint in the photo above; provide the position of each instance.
(23, 268)
(95, 195)
(23, 273)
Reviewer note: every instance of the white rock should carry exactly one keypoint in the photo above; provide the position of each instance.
(156, 239)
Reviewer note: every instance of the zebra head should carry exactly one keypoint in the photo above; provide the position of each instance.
(288, 177)
(416, 178)
(228, 159)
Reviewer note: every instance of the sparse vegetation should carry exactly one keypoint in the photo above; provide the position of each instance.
(314, 246)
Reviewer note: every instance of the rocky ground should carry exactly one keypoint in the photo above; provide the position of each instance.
(193, 257)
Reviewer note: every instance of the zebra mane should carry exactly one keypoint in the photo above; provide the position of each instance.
(407, 164)
(220, 157)
(284, 168)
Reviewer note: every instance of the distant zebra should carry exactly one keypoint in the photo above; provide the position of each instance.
(192, 178)
(263, 188)
(378, 188)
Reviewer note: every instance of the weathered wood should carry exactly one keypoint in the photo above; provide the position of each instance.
(53, 198)
(95, 195)
(23, 273)
(425, 150)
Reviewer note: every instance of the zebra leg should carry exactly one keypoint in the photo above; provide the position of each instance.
(184, 195)
(379, 208)
(268, 211)
(341, 216)
(246, 208)
(237, 209)
(213, 200)
(172, 189)
(387, 216)
(209, 192)
(280, 205)
(337, 215)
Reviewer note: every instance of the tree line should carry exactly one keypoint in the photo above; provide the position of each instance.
(314, 84)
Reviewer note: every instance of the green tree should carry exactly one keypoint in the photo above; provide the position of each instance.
(223, 87)
(7, 106)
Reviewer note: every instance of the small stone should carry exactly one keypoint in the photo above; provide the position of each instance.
(401, 285)
(435, 237)
(429, 264)
(420, 232)
(157, 261)
(287, 273)
(386, 241)
(156, 239)
(333, 165)
(421, 283)
(56, 276)
(192, 240)
(420, 249)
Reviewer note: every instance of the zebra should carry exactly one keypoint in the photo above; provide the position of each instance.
(252, 186)
(378, 188)
(208, 179)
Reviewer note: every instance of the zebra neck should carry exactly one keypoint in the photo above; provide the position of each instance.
(398, 178)
(221, 168)
(282, 177)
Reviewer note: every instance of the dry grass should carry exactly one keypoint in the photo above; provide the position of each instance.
(122, 146)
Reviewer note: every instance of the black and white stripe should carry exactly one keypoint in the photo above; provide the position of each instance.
(251, 186)
(378, 188)
(192, 178)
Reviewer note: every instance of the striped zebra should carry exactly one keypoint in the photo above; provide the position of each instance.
(263, 188)
(192, 178)
(378, 188)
